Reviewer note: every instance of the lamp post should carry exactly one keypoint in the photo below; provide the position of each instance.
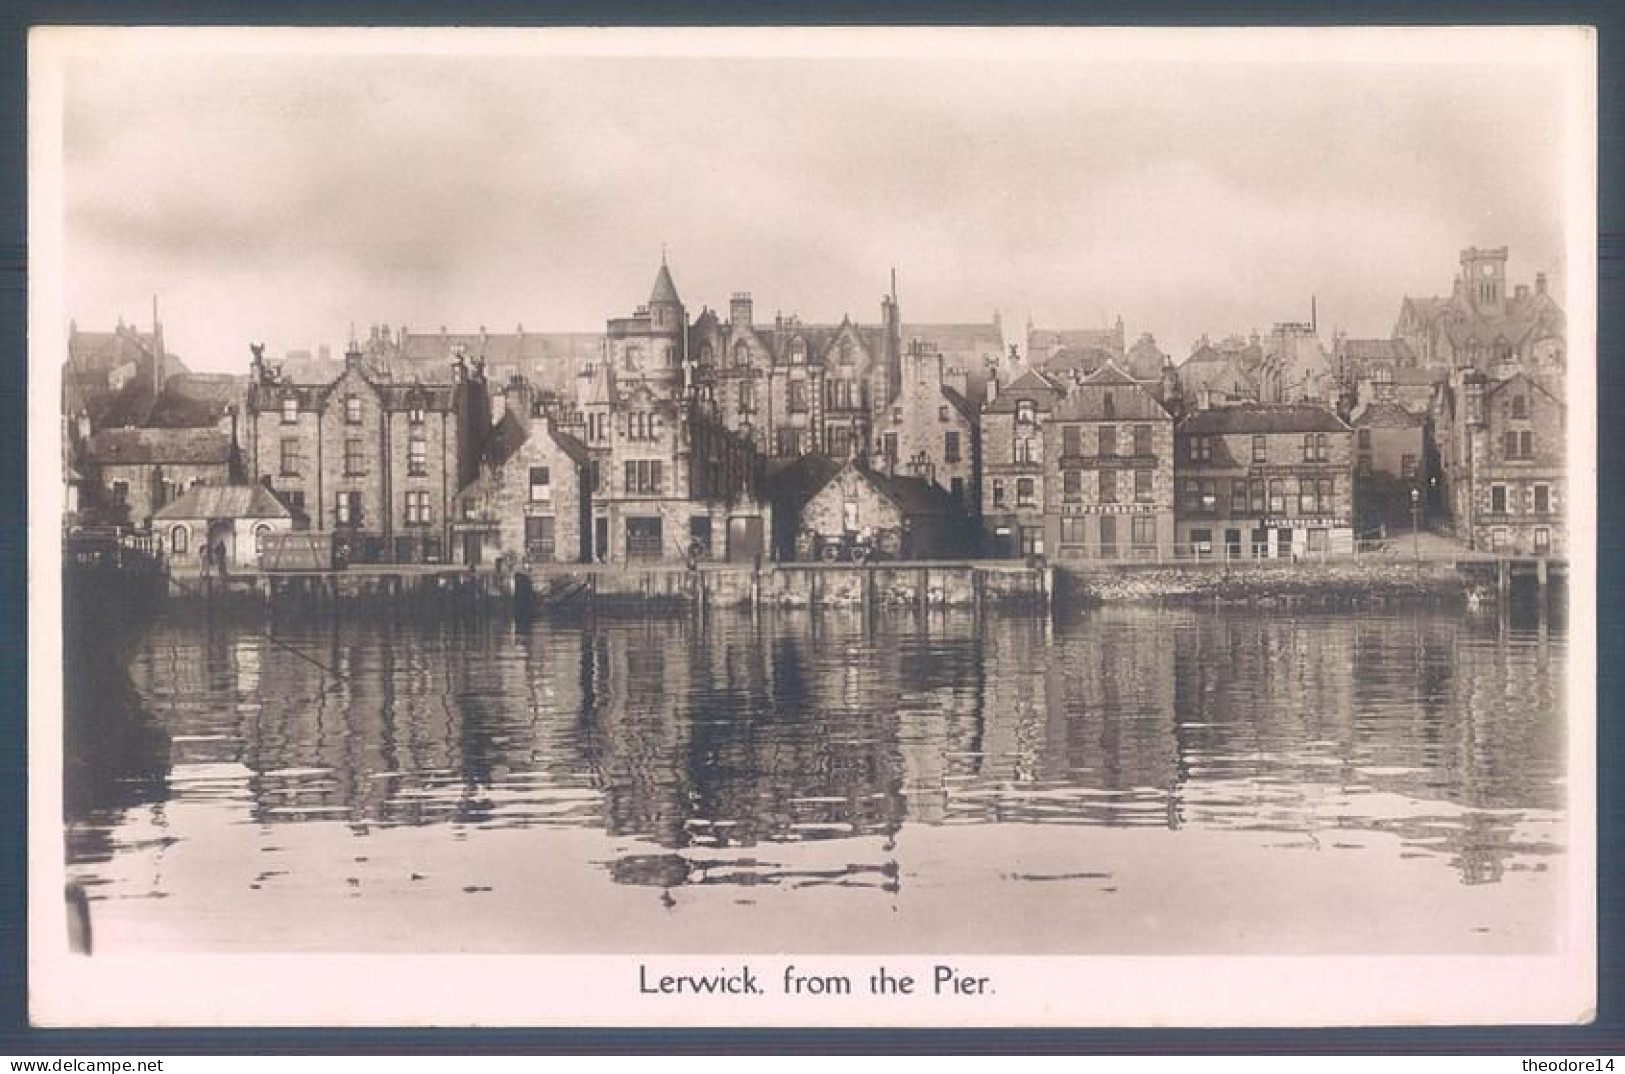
(1416, 523)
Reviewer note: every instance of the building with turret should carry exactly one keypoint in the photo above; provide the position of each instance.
(1486, 324)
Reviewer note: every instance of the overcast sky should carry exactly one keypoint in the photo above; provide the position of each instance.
(281, 198)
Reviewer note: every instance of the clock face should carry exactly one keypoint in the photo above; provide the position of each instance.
(1488, 270)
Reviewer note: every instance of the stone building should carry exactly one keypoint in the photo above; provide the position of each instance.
(235, 519)
(675, 483)
(908, 514)
(1109, 471)
(930, 431)
(1295, 367)
(1012, 482)
(1210, 376)
(131, 473)
(1061, 352)
(651, 346)
(1504, 463)
(352, 447)
(1483, 324)
(533, 496)
(1265, 480)
(1392, 458)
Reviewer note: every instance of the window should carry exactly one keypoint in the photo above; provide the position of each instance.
(789, 442)
(950, 447)
(1543, 540)
(417, 507)
(1108, 440)
(1142, 486)
(1543, 499)
(1201, 449)
(1324, 490)
(896, 413)
(1277, 497)
(1320, 447)
(1024, 492)
(741, 353)
(1526, 445)
(1191, 491)
(1318, 541)
(347, 510)
(1498, 499)
(595, 475)
(1306, 496)
(260, 533)
(1026, 412)
(888, 445)
(414, 416)
(541, 484)
(643, 538)
(1142, 440)
(1072, 484)
(1032, 540)
(1144, 531)
(942, 413)
(1108, 486)
(1308, 447)
(1202, 542)
(798, 396)
(1364, 439)
(1498, 538)
(539, 536)
(291, 460)
(643, 476)
(180, 540)
(1261, 451)
(1238, 497)
(840, 442)
(1108, 537)
(1108, 407)
(998, 492)
(1407, 466)
(640, 425)
(352, 410)
(1520, 407)
(417, 456)
(290, 410)
(841, 394)
(1073, 530)
(798, 351)
(1255, 496)
(355, 457)
(747, 395)
(1024, 450)
(1071, 440)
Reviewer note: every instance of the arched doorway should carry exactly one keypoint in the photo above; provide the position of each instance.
(223, 539)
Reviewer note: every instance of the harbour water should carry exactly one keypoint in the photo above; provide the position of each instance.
(1121, 781)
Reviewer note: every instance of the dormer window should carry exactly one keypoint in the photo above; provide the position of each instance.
(290, 410)
(352, 409)
(415, 415)
(798, 351)
(1026, 413)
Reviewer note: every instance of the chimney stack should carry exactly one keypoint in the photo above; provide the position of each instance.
(1540, 283)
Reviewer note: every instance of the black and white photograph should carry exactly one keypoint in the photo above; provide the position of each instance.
(830, 526)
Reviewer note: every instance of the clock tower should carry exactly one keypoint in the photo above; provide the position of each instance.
(1484, 273)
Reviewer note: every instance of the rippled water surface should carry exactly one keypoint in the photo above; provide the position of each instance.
(1125, 781)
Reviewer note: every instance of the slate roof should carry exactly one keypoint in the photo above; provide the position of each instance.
(1387, 415)
(1131, 401)
(1264, 418)
(224, 501)
(1033, 385)
(798, 480)
(191, 400)
(1043, 340)
(117, 447)
(664, 289)
(960, 403)
(1366, 350)
(915, 496)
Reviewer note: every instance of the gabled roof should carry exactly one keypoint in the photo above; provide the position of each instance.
(914, 496)
(960, 403)
(1131, 401)
(507, 436)
(224, 501)
(192, 400)
(1031, 385)
(118, 447)
(798, 480)
(1386, 415)
(1109, 373)
(570, 446)
(1263, 418)
(1526, 379)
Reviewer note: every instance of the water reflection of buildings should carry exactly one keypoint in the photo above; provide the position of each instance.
(710, 736)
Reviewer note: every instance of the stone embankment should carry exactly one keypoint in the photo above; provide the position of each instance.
(1332, 584)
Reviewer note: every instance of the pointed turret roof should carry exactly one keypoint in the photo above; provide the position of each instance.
(664, 290)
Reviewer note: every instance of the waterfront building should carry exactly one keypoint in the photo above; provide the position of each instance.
(235, 519)
(930, 431)
(1503, 461)
(1483, 324)
(1109, 471)
(364, 448)
(906, 517)
(532, 499)
(1392, 449)
(1013, 422)
(131, 473)
(1265, 480)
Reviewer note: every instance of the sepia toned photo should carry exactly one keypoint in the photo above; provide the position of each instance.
(951, 527)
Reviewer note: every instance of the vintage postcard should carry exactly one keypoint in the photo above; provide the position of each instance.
(685, 527)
